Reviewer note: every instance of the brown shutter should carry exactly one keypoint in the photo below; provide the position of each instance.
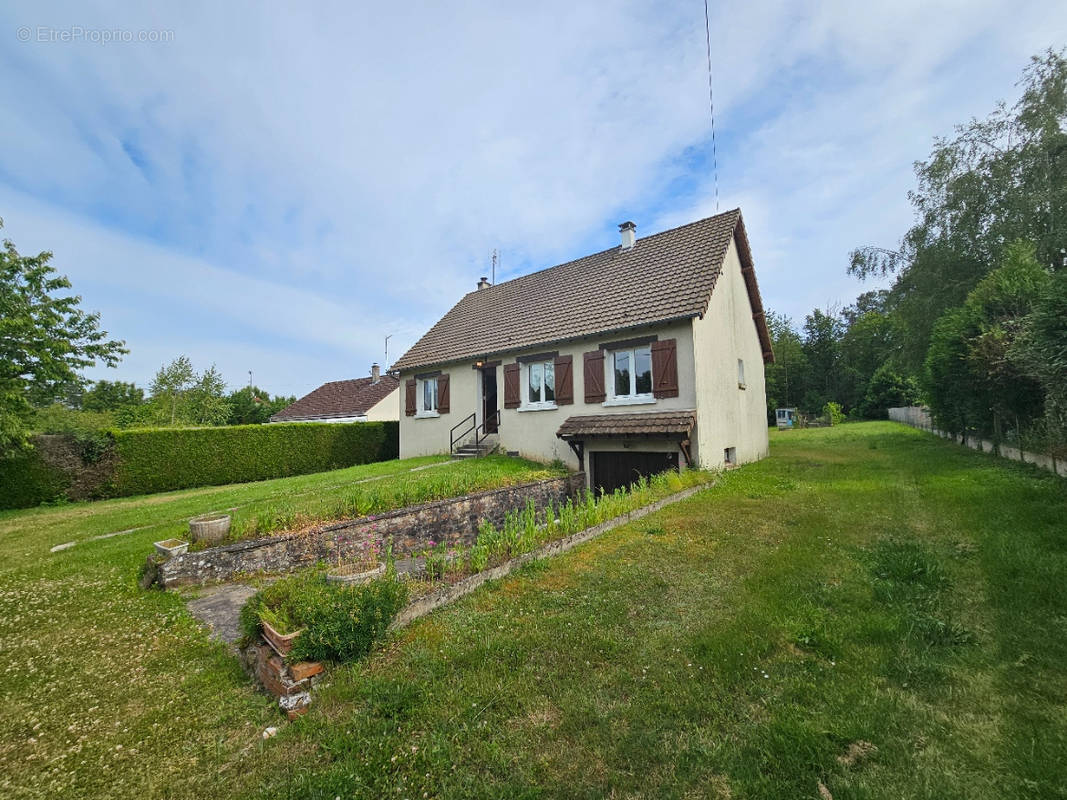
(665, 368)
(564, 380)
(594, 377)
(511, 386)
(409, 397)
(442, 394)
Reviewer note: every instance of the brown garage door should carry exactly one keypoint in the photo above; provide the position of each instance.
(614, 469)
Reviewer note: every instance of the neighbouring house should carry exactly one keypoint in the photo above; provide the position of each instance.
(373, 399)
(644, 357)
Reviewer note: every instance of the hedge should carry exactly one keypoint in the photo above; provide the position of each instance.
(163, 459)
(27, 480)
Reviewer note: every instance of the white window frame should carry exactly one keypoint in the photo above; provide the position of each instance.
(421, 412)
(633, 398)
(524, 387)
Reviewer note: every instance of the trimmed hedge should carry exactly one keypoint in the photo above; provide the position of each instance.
(179, 458)
(27, 480)
(163, 459)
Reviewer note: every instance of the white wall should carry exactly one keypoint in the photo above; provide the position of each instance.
(728, 416)
(533, 433)
(387, 409)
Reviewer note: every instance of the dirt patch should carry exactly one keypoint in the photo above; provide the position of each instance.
(857, 752)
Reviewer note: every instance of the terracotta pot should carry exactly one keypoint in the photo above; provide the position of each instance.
(281, 643)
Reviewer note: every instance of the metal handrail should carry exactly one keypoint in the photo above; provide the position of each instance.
(452, 438)
(480, 431)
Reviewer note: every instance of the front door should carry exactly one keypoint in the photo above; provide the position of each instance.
(489, 406)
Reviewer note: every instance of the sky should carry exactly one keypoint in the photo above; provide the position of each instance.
(276, 189)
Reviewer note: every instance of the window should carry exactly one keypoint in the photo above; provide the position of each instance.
(729, 455)
(740, 373)
(540, 385)
(631, 378)
(428, 397)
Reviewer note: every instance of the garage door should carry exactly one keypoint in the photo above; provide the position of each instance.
(614, 469)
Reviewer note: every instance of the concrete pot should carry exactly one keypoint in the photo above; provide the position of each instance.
(348, 575)
(210, 528)
(171, 547)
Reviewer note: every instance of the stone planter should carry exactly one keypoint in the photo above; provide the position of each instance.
(210, 528)
(357, 574)
(171, 547)
(281, 643)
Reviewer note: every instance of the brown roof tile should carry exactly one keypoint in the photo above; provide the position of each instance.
(654, 423)
(338, 399)
(666, 276)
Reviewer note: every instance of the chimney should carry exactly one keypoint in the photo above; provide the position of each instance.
(629, 235)
(375, 373)
(484, 283)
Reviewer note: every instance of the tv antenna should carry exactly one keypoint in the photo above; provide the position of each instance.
(387, 338)
(494, 257)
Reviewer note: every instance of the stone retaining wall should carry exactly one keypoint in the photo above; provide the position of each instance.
(411, 529)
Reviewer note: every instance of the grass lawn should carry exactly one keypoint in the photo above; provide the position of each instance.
(872, 608)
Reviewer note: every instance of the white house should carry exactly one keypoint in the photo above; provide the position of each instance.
(643, 357)
(373, 399)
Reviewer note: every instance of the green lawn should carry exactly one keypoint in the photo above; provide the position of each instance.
(871, 608)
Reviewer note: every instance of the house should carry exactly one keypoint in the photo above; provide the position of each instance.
(373, 399)
(644, 357)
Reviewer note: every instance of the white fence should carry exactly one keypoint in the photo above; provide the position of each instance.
(919, 417)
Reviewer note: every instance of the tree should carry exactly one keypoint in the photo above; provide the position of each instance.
(45, 340)
(975, 380)
(786, 378)
(822, 348)
(182, 397)
(253, 406)
(171, 383)
(111, 396)
(1041, 350)
(998, 180)
(887, 389)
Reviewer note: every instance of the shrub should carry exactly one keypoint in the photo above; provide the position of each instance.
(833, 413)
(340, 622)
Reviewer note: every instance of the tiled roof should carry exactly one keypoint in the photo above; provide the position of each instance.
(666, 276)
(655, 423)
(339, 399)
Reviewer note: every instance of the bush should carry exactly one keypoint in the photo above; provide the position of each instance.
(833, 414)
(340, 622)
(163, 459)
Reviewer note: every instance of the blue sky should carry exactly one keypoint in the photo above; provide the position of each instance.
(276, 189)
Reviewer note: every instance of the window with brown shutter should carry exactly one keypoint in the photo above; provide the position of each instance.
(594, 376)
(511, 386)
(442, 394)
(665, 368)
(409, 397)
(564, 380)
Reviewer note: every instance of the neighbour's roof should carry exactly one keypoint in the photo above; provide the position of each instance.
(352, 398)
(655, 423)
(666, 276)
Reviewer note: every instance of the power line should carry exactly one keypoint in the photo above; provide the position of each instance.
(711, 103)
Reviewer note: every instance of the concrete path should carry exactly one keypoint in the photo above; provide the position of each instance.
(218, 607)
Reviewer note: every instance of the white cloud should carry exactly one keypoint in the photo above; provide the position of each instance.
(312, 179)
